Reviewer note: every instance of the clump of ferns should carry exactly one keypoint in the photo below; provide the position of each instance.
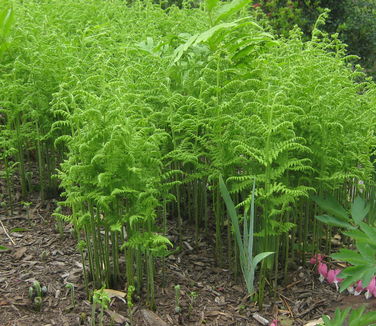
(114, 173)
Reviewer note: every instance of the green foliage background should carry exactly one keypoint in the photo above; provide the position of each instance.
(140, 109)
(353, 20)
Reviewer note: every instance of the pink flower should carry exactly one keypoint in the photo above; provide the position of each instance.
(316, 259)
(359, 288)
(332, 278)
(274, 323)
(371, 288)
(323, 271)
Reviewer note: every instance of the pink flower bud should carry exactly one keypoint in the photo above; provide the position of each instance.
(371, 288)
(323, 271)
(359, 288)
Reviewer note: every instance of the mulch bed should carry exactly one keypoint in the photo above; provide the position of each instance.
(209, 294)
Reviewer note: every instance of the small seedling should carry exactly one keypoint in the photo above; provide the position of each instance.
(36, 292)
(192, 298)
(177, 299)
(99, 297)
(70, 286)
(59, 221)
(27, 205)
(131, 290)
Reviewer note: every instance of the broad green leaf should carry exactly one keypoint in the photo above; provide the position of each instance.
(211, 4)
(340, 316)
(352, 274)
(330, 220)
(260, 257)
(178, 53)
(359, 210)
(331, 206)
(349, 256)
(367, 319)
(358, 235)
(326, 320)
(357, 318)
(205, 36)
(368, 230)
(356, 314)
(367, 252)
(229, 9)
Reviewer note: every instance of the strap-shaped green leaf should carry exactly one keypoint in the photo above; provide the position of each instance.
(229, 9)
(260, 257)
(233, 215)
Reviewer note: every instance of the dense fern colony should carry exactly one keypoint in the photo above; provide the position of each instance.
(140, 110)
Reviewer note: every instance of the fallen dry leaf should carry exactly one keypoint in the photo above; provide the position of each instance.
(315, 322)
(214, 313)
(117, 318)
(114, 293)
(152, 319)
(20, 252)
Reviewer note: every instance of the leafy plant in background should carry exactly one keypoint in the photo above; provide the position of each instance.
(363, 260)
(145, 121)
(6, 22)
(357, 317)
(244, 239)
(353, 20)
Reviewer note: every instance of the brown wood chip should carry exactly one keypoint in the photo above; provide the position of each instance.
(152, 319)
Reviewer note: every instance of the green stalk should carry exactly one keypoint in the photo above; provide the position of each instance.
(150, 282)
(129, 267)
(20, 157)
(139, 271)
(218, 227)
(8, 182)
(196, 208)
(40, 165)
(106, 253)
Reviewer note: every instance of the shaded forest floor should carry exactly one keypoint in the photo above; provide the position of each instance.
(209, 294)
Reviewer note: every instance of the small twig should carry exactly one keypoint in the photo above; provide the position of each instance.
(286, 305)
(14, 218)
(6, 233)
(315, 305)
(292, 284)
(288, 299)
(260, 319)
